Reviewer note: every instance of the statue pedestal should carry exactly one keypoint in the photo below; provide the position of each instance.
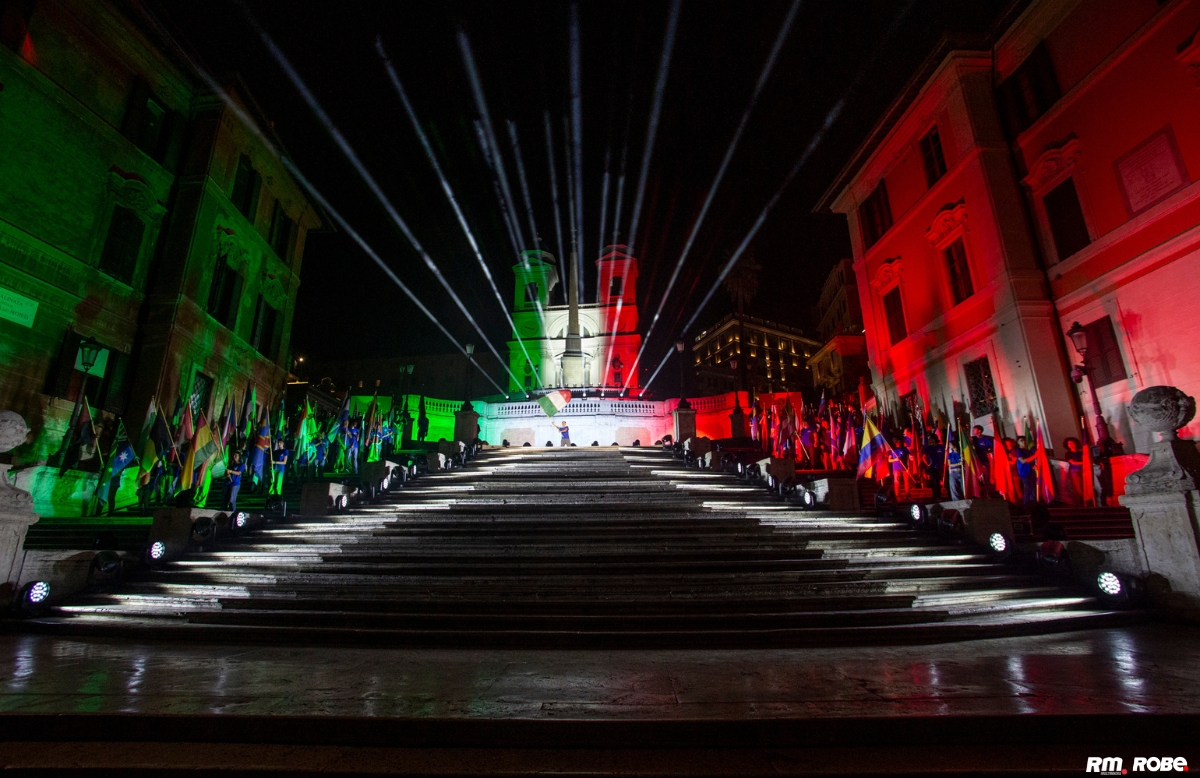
(16, 514)
(737, 423)
(1164, 496)
(466, 425)
(685, 424)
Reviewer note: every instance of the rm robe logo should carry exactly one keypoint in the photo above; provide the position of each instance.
(1114, 765)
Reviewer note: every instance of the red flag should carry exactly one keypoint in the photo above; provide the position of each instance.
(1045, 478)
(1002, 472)
(186, 432)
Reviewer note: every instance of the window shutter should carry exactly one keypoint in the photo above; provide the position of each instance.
(58, 380)
(117, 379)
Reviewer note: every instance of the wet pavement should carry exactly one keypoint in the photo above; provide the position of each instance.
(1150, 668)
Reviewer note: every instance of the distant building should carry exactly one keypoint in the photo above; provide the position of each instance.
(137, 213)
(608, 339)
(839, 365)
(776, 356)
(1021, 185)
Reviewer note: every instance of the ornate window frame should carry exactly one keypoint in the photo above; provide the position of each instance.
(1054, 166)
(948, 225)
(888, 276)
(128, 191)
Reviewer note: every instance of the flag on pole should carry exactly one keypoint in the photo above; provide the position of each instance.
(873, 453)
(1088, 467)
(249, 413)
(261, 451)
(149, 454)
(203, 446)
(343, 415)
(1041, 461)
(555, 401)
(1002, 472)
(123, 453)
(159, 446)
(186, 430)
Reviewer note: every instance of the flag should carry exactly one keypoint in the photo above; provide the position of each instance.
(369, 423)
(123, 454)
(203, 446)
(159, 446)
(970, 466)
(873, 453)
(149, 453)
(553, 402)
(261, 451)
(186, 431)
(249, 413)
(1041, 461)
(1002, 469)
(343, 415)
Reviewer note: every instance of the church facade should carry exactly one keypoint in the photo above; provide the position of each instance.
(543, 353)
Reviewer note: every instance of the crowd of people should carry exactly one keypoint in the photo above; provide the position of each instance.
(922, 456)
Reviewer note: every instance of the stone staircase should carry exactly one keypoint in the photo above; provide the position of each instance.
(581, 547)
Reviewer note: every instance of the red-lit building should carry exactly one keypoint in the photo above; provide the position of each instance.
(1020, 185)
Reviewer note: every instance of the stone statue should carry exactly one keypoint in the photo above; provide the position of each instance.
(1174, 464)
(16, 505)
(13, 431)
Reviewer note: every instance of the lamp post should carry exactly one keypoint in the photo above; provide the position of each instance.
(1079, 340)
(88, 352)
(406, 372)
(680, 345)
(470, 349)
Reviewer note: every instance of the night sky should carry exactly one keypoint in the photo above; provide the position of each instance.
(859, 53)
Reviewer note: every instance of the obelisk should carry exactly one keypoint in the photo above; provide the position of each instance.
(572, 358)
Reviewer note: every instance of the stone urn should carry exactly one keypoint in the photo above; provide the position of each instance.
(1174, 464)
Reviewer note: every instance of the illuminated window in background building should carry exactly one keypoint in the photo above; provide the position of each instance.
(893, 308)
(931, 156)
(960, 273)
(1104, 363)
(614, 287)
(981, 388)
(202, 386)
(122, 245)
(266, 332)
(1065, 215)
(875, 215)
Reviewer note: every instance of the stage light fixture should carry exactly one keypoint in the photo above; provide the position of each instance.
(1110, 584)
(916, 512)
(158, 550)
(997, 542)
(37, 592)
(240, 519)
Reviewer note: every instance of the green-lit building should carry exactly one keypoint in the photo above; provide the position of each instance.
(138, 212)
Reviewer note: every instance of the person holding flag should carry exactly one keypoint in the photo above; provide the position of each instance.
(1027, 471)
(873, 453)
(260, 451)
(954, 470)
(278, 467)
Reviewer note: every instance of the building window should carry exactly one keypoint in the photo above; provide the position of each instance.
(1104, 363)
(932, 157)
(960, 273)
(202, 386)
(122, 245)
(1065, 217)
(875, 214)
(224, 294)
(981, 388)
(614, 287)
(14, 22)
(531, 293)
(1029, 92)
(281, 231)
(246, 186)
(266, 332)
(893, 308)
(110, 376)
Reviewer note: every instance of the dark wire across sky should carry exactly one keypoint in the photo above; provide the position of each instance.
(347, 308)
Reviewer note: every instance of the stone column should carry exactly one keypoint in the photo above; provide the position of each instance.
(685, 423)
(466, 424)
(16, 505)
(1163, 496)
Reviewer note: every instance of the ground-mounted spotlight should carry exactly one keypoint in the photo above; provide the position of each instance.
(203, 529)
(808, 498)
(1053, 560)
(35, 595)
(156, 552)
(1000, 546)
(950, 525)
(240, 520)
(1117, 590)
(918, 514)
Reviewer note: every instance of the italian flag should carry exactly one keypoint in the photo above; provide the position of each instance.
(555, 401)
